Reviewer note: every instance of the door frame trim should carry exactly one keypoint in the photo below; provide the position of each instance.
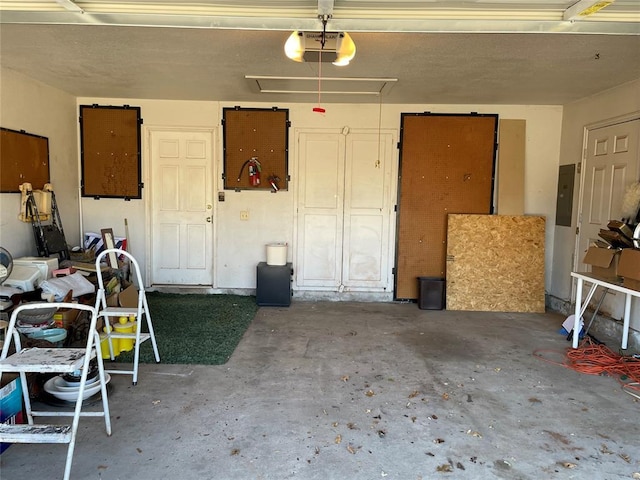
(587, 129)
(146, 172)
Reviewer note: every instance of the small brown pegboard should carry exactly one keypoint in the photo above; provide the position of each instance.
(255, 133)
(24, 157)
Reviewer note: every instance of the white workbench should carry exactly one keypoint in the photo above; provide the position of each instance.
(610, 284)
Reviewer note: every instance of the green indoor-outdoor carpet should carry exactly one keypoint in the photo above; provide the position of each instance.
(194, 328)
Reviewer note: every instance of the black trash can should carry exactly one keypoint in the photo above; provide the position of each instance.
(431, 293)
(273, 285)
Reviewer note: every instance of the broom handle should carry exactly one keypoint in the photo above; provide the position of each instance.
(126, 236)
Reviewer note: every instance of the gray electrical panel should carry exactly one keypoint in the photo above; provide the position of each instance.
(564, 202)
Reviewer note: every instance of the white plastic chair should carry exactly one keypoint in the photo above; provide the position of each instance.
(141, 312)
(53, 360)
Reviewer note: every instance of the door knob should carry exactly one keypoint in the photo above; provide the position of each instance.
(208, 219)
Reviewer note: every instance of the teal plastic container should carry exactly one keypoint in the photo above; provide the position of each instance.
(53, 335)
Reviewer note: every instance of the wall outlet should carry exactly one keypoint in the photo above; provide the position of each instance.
(244, 215)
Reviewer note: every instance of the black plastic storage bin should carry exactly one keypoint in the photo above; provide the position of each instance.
(273, 285)
(431, 293)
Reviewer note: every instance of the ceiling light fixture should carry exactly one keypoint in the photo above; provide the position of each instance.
(335, 47)
(584, 8)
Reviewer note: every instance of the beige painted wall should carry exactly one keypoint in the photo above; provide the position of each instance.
(39, 109)
(612, 103)
(554, 137)
(239, 245)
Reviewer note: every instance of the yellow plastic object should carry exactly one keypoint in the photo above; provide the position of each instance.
(126, 344)
(104, 346)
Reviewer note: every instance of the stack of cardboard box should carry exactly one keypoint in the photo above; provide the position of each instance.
(615, 258)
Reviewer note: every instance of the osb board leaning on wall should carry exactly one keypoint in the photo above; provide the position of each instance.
(495, 263)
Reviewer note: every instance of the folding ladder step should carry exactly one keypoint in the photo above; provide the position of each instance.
(118, 312)
(35, 433)
(44, 360)
(143, 336)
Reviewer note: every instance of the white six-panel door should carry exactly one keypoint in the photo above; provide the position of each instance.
(344, 210)
(611, 165)
(181, 207)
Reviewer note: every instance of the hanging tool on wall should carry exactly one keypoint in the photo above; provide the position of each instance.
(254, 168)
(273, 181)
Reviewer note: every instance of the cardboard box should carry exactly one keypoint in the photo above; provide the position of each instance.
(10, 405)
(604, 261)
(129, 297)
(629, 268)
(64, 317)
(125, 298)
(113, 300)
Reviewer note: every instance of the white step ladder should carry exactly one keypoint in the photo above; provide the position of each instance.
(141, 313)
(53, 360)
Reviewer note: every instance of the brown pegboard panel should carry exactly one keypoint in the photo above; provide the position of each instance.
(446, 166)
(111, 146)
(259, 133)
(24, 157)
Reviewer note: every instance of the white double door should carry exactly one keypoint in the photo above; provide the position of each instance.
(344, 210)
(181, 207)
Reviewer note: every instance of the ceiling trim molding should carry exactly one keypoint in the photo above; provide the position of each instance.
(434, 25)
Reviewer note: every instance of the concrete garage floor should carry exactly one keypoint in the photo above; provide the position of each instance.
(362, 391)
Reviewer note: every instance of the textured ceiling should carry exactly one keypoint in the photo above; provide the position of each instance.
(442, 64)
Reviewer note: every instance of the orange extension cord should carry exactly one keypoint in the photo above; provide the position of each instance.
(594, 359)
